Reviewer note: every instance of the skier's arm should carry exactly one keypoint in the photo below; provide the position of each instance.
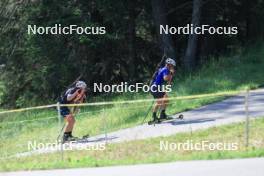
(70, 97)
(81, 96)
(169, 76)
(172, 72)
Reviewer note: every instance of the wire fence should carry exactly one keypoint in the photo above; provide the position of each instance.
(23, 130)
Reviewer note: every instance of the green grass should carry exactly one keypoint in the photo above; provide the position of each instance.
(1, 90)
(237, 72)
(148, 151)
(92, 122)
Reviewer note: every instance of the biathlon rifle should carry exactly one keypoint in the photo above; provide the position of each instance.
(157, 68)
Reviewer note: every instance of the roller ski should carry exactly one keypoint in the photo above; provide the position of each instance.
(163, 118)
(83, 139)
(153, 122)
(68, 138)
(180, 117)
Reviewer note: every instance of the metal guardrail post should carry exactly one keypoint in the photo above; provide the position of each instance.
(105, 125)
(247, 119)
(59, 129)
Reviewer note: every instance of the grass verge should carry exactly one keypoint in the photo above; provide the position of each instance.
(149, 151)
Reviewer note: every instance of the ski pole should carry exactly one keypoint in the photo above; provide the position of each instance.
(59, 136)
(147, 113)
(150, 83)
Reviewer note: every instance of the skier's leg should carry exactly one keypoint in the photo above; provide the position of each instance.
(164, 104)
(156, 108)
(69, 127)
(70, 123)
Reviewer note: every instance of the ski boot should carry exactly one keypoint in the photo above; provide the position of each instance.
(68, 137)
(163, 115)
(155, 119)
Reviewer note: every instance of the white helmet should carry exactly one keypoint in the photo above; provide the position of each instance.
(81, 84)
(170, 61)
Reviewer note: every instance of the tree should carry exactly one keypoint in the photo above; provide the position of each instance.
(191, 51)
(160, 18)
(131, 36)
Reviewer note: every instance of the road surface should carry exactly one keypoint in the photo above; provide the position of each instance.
(241, 167)
(228, 111)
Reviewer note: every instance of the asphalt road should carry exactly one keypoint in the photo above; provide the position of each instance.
(228, 111)
(236, 167)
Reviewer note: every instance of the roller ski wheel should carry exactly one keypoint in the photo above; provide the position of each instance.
(86, 136)
(180, 116)
(83, 139)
